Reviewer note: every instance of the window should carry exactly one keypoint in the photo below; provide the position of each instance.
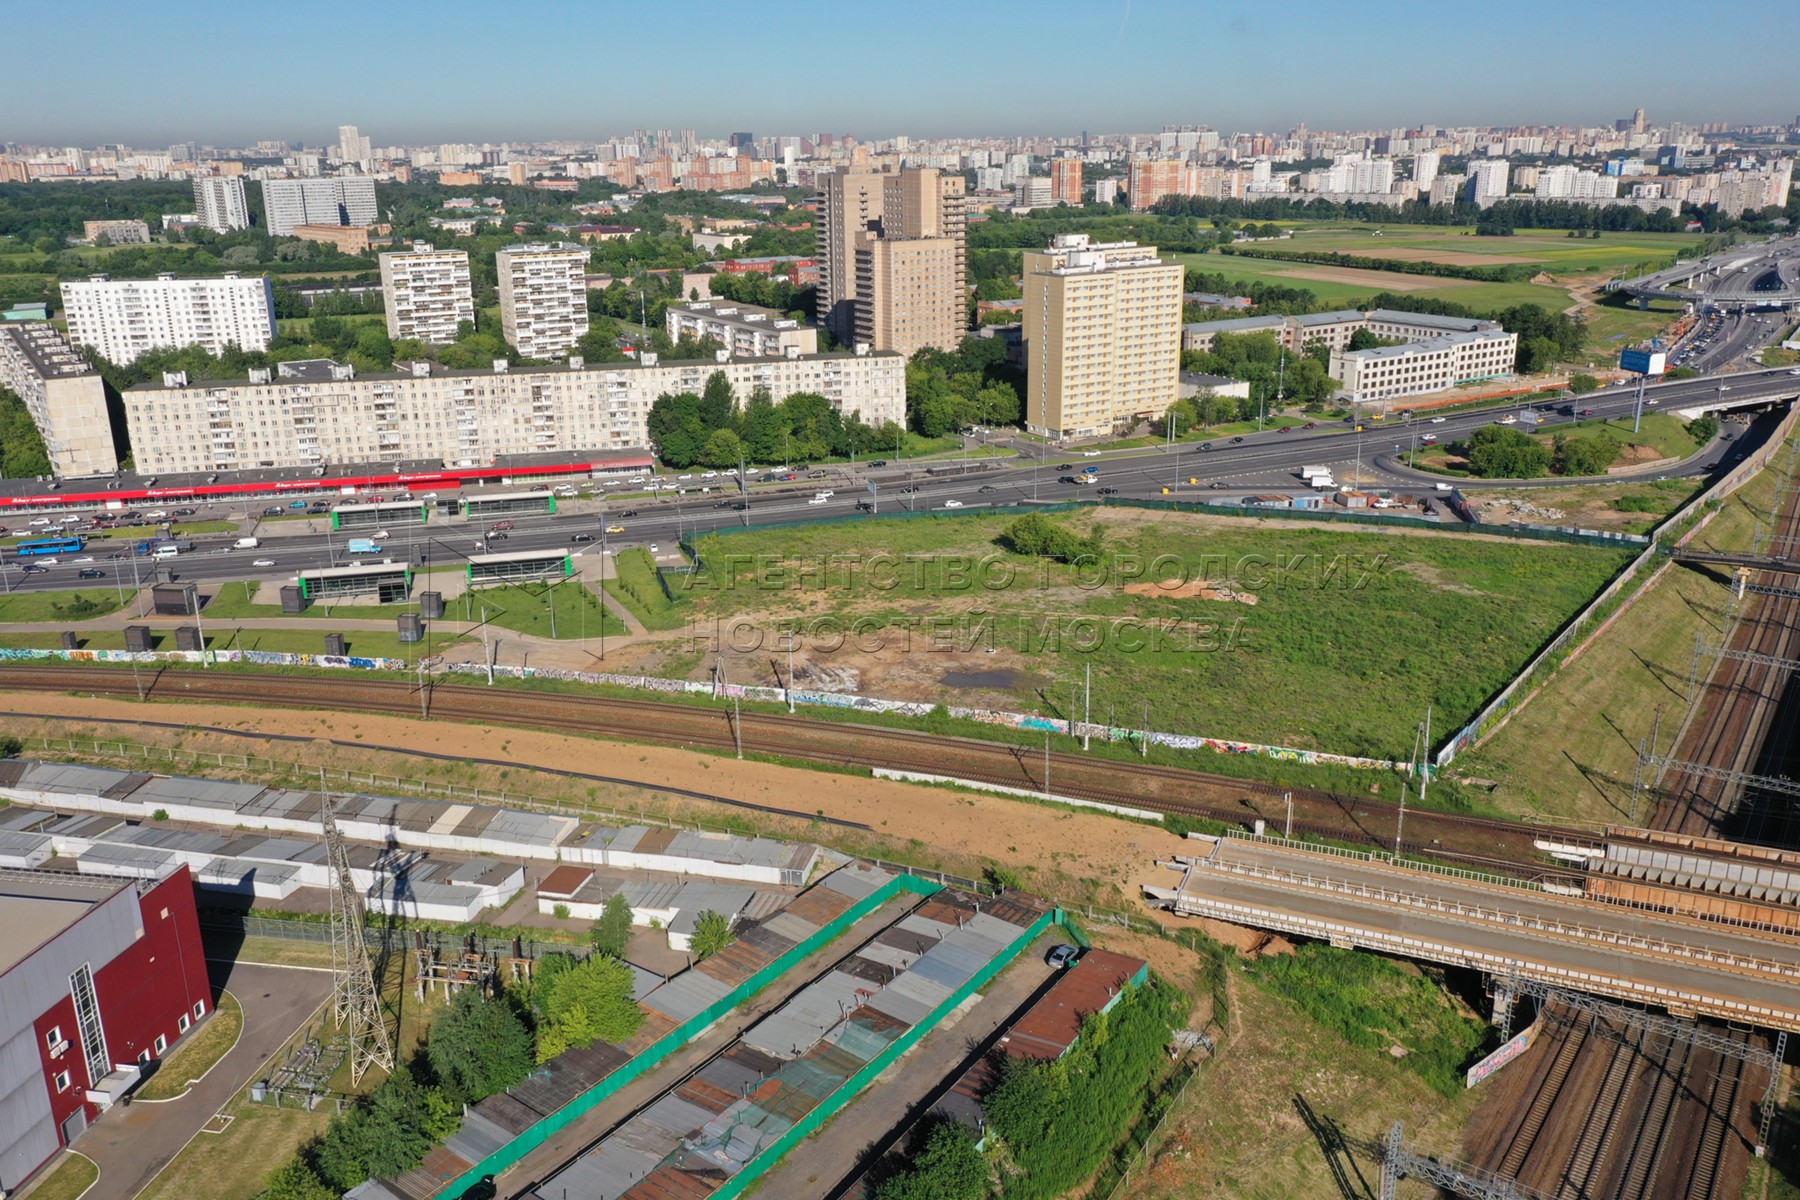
(62, 1081)
(199, 1009)
(182, 1023)
(52, 1037)
(144, 1056)
(162, 1044)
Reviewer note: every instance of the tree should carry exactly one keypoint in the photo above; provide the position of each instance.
(723, 449)
(611, 931)
(1703, 429)
(1500, 452)
(584, 1003)
(294, 1180)
(1582, 383)
(22, 451)
(480, 1046)
(1037, 535)
(1585, 455)
(945, 1165)
(712, 933)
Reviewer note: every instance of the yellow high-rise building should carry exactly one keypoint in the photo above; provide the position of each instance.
(1102, 336)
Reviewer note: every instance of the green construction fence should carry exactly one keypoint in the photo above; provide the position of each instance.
(510, 1154)
(853, 1086)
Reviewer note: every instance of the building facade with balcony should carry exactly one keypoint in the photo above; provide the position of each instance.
(427, 293)
(122, 318)
(746, 330)
(543, 297)
(64, 395)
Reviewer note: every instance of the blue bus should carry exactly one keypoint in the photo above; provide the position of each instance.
(55, 545)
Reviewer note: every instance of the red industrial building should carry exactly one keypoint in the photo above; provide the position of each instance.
(98, 978)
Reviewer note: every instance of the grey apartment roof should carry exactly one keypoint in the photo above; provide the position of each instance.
(1336, 317)
(1432, 320)
(1237, 325)
(1199, 379)
(1441, 342)
(48, 352)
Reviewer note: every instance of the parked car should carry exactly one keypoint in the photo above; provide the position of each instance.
(1062, 955)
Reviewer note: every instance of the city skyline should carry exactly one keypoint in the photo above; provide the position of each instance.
(1383, 64)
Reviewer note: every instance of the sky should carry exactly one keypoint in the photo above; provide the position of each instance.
(481, 70)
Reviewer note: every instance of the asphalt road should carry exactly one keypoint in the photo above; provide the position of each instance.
(1268, 461)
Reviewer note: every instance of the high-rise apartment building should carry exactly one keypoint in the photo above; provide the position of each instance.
(893, 258)
(543, 297)
(220, 205)
(1425, 170)
(122, 318)
(1065, 181)
(1150, 179)
(65, 397)
(427, 293)
(344, 200)
(1488, 179)
(353, 147)
(1102, 335)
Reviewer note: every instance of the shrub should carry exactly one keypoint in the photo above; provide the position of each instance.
(560, 912)
(611, 932)
(712, 933)
(161, 814)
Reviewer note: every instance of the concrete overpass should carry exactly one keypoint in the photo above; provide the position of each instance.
(1690, 967)
(1762, 275)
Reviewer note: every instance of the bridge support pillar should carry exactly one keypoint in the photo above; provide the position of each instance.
(1503, 1007)
(1643, 303)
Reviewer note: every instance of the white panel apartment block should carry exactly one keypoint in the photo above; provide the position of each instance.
(427, 293)
(543, 297)
(467, 418)
(64, 395)
(219, 203)
(344, 200)
(123, 318)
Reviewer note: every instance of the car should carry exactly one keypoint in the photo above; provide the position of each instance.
(1062, 955)
(787, 477)
(482, 1189)
(1108, 491)
(826, 494)
(1236, 440)
(1285, 429)
(378, 535)
(723, 504)
(987, 489)
(1587, 412)
(497, 537)
(953, 504)
(615, 529)
(428, 495)
(815, 474)
(882, 462)
(35, 568)
(1090, 454)
(653, 547)
(1429, 438)
(1650, 400)
(1795, 371)
(275, 511)
(263, 562)
(1065, 479)
(908, 490)
(497, 525)
(90, 573)
(582, 537)
(629, 512)
(1310, 425)
(1216, 485)
(295, 504)
(818, 500)
(709, 474)
(37, 522)
(158, 515)
(684, 478)
(1206, 445)
(87, 558)
(1065, 466)
(1437, 420)
(186, 512)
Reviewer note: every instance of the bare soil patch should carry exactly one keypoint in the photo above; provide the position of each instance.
(1391, 281)
(1194, 589)
(1450, 258)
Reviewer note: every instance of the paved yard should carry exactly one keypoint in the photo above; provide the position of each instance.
(130, 1144)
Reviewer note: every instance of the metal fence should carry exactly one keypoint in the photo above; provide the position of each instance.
(1362, 517)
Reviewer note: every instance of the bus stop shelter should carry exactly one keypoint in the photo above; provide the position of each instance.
(497, 504)
(379, 516)
(388, 582)
(519, 565)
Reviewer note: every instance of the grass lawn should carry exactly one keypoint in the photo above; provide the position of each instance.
(634, 585)
(1571, 752)
(1238, 1134)
(231, 1165)
(1480, 296)
(67, 1180)
(1559, 253)
(523, 608)
(281, 952)
(1664, 432)
(140, 534)
(302, 326)
(235, 602)
(57, 606)
(196, 1056)
(1304, 665)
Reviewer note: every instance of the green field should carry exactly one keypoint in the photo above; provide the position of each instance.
(1342, 650)
(302, 326)
(1480, 296)
(525, 608)
(1558, 253)
(634, 585)
(56, 606)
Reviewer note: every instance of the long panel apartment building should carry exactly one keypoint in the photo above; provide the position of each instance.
(122, 318)
(543, 297)
(64, 395)
(746, 330)
(317, 413)
(427, 293)
(1102, 335)
(219, 203)
(345, 200)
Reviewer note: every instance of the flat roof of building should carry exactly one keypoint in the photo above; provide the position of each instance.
(353, 572)
(438, 372)
(1235, 324)
(512, 556)
(49, 353)
(36, 907)
(1432, 320)
(1432, 345)
(1336, 317)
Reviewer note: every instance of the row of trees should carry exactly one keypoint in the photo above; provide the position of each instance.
(1522, 213)
(1502, 273)
(22, 451)
(970, 385)
(712, 430)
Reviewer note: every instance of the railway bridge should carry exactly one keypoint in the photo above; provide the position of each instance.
(1543, 932)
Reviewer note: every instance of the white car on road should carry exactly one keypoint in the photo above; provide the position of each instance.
(1090, 454)
(1437, 420)
(263, 562)
(39, 521)
(953, 504)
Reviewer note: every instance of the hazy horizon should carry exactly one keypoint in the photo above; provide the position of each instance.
(462, 71)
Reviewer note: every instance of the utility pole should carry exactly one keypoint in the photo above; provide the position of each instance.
(201, 630)
(737, 725)
(1087, 709)
(1400, 824)
(487, 656)
(1046, 762)
(1425, 767)
(1144, 746)
(356, 1002)
(1287, 829)
(790, 674)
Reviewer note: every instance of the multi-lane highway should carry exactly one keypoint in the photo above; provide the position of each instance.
(1268, 461)
(1760, 275)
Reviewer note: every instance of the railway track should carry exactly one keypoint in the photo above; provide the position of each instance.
(1706, 1170)
(1637, 1169)
(1579, 1177)
(1572, 1035)
(1477, 841)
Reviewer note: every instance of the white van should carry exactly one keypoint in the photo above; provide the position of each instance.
(165, 552)
(247, 543)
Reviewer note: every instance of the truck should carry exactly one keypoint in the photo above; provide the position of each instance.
(246, 543)
(362, 546)
(1306, 472)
